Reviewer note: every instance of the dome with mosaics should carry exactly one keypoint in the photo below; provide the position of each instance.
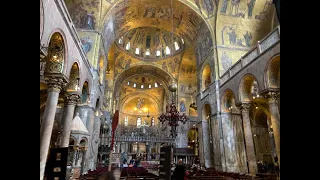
(150, 44)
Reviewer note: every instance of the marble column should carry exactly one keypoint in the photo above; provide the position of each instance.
(251, 156)
(158, 146)
(200, 140)
(182, 137)
(94, 128)
(71, 100)
(235, 155)
(217, 141)
(275, 119)
(55, 84)
(207, 152)
(117, 102)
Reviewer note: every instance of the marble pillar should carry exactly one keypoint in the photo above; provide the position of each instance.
(234, 148)
(83, 161)
(117, 102)
(216, 136)
(71, 100)
(200, 140)
(55, 84)
(182, 137)
(251, 156)
(275, 119)
(158, 146)
(207, 152)
(221, 144)
(94, 142)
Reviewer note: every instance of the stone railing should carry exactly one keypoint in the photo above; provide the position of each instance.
(253, 54)
(68, 21)
(143, 139)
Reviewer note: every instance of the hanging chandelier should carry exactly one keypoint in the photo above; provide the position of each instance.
(172, 115)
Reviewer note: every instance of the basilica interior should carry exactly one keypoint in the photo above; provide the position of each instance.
(217, 61)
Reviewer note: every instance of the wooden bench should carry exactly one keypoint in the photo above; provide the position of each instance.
(207, 177)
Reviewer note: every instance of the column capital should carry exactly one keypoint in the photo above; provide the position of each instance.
(72, 98)
(272, 95)
(244, 106)
(55, 83)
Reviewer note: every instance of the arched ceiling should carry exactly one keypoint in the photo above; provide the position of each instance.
(235, 25)
(240, 24)
(150, 44)
(136, 100)
(142, 84)
(187, 86)
(140, 105)
(180, 20)
(144, 70)
(172, 16)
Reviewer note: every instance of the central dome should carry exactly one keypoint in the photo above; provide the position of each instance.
(150, 44)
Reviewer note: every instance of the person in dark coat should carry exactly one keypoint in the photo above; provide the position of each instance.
(179, 171)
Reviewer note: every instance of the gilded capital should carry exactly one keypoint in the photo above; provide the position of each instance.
(72, 99)
(55, 83)
(273, 96)
(244, 107)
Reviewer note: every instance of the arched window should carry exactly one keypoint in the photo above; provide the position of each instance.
(128, 46)
(126, 121)
(139, 122)
(152, 121)
(176, 45)
(148, 40)
(167, 50)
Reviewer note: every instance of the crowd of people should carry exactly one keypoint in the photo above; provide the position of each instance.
(131, 163)
(182, 171)
(265, 167)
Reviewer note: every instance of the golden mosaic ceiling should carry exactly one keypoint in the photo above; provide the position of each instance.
(143, 82)
(150, 44)
(140, 96)
(140, 105)
(172, 16)
(238, 24)
(145, 70)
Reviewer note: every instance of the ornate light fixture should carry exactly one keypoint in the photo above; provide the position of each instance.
(172, 115)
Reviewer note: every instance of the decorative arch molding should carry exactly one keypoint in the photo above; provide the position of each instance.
(272, 72)
(131, 96)
(227, 100)
(74, 78)
(145, 69)
(203, 109)
(206, 76)
(65, 48)
(245, 87)
(88, 80)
